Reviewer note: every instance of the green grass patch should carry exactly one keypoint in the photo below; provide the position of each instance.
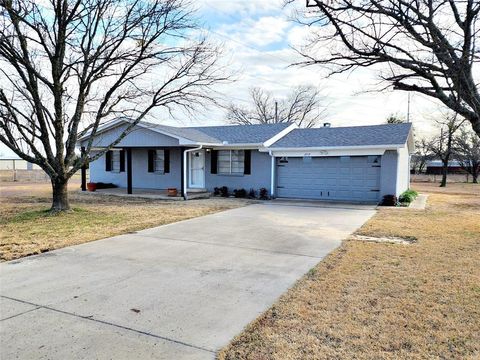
(33, 215)
(407, 196)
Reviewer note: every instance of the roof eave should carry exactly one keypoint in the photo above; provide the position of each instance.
(307, 148)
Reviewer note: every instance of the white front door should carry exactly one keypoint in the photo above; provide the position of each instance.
(196, 169)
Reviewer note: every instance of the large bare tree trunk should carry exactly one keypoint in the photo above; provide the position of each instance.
(60, 200)
(68, 67)
(444, 174)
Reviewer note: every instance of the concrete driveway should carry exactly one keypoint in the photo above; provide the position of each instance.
(179, 291)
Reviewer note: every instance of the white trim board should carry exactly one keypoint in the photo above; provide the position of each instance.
(280, 135)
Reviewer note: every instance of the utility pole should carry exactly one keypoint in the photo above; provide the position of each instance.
(276, 112)
(408, 108)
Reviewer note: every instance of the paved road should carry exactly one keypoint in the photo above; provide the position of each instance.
(179, 291)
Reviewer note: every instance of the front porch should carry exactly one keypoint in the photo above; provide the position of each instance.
(152, 194)
(148, 172)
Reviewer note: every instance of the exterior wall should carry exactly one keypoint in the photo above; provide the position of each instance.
(260, 174)
(98, 173)
(403, 171)
(388, 174)
(138, 137)
(141, 178)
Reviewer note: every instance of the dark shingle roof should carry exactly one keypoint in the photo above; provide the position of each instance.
(242, 134)
(386, 134)
(232, 134)
(187, 133)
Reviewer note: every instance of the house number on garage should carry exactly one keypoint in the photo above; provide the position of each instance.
(321, 152)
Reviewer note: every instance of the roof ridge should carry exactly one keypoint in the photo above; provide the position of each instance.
(237, 125)
(353, 126)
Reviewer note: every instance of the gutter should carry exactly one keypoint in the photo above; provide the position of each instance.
(386, 147)
(185, 195)
(272, 174)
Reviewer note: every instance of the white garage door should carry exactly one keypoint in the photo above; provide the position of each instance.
(351, 178)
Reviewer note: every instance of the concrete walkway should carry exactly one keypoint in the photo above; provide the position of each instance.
(179, 291)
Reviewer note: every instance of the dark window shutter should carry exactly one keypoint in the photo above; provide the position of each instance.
(247, 168)
(213, 161)
(108, 160)
(122, 160)
(151, 157)
(166, 161)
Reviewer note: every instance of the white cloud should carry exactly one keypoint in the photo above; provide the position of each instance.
(259, 33)
(240, 7)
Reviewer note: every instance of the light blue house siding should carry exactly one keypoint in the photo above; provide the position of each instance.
(259, 178)
(388, 173)
(141, 178)
(391, 179)
(395, 172)
(138, 137)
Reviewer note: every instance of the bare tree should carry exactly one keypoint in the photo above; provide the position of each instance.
(303, 107)
(421, 156)
(467, 152)
(68, 66)
(442, 146)
(425, 46)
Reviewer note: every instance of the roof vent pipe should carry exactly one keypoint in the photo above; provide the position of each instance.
(327, 124)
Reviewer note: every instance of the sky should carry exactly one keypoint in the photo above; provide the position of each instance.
(259, 38)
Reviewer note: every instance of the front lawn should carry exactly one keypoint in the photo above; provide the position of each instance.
(26, 228)
(385, 301)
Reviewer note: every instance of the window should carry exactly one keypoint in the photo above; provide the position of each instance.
(159, 161)
(115, 161)
(231, 162)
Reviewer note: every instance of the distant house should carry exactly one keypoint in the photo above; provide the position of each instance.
(359, 163)
(434, 167)
(15, 163)
(13, 168)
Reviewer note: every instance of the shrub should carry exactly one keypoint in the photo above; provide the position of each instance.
(252, 194)
(389, 200)
(224, 191)
(263, 194)
(101, 185)
(240, 193)
(407, 196)
(216, 191)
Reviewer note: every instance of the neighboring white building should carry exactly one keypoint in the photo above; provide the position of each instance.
(16, 163)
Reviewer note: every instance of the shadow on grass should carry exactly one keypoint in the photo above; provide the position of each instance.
(44, 213)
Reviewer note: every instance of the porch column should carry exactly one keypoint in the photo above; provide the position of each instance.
(182, 180)
(129, 170)
(84, 171)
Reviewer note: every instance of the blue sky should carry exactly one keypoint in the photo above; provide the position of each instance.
(258, 37)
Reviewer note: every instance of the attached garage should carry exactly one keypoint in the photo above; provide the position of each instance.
(358, 164)
(347, 178)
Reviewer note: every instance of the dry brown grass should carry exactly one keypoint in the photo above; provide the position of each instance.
(452, 188)
(26, 228)
(385, 301)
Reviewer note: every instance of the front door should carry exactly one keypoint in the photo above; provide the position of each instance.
(197, 169)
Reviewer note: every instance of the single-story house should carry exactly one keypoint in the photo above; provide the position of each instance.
(435, 167)
(357, 163)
